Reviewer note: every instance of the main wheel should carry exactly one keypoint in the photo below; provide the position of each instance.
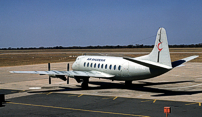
(84, 84)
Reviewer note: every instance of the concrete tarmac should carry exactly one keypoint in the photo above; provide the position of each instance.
(56, 104)
(31, 95)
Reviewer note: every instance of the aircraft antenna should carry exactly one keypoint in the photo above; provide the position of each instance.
(144, 39)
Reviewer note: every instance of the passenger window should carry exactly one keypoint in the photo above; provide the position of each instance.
(91, 65)
(84, 64)
(95, 65)
(119, 67)
(88, 65)
(110, 67)
(98, 65)
(106, 66)
(114, 67)
(102, 66)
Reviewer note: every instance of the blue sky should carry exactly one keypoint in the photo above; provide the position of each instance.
(49, 23)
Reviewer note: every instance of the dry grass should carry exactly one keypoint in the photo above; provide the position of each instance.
(27, 57)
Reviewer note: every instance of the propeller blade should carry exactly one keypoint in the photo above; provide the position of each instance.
(49, 70)
(68, 76)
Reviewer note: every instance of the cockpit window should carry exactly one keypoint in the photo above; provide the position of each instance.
(88, 65)
(102, 66)
(84, 64)
(98, 65)
(91, 65)
(95, 65)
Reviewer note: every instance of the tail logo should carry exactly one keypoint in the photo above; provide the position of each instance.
(158, 46)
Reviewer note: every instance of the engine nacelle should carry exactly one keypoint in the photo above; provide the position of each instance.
(62, 77)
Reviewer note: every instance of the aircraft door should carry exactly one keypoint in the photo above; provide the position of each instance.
(124, 69)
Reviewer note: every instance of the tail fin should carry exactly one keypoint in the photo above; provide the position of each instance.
(160, 53)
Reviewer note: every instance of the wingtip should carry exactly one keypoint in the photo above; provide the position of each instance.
(196, 56)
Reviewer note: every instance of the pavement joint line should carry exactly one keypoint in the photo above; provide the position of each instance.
(49, 93)
(115, 98)
(138, 98)
(192, 103)
(75, 109)
(134, 98)
(154, 101)
(71, 95)
(80, 95)
(146, 101)
(199, 103)
(106, 98)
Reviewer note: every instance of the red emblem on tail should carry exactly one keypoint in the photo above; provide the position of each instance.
(158, 46)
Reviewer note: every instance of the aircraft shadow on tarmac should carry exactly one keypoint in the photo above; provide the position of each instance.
(144, 87)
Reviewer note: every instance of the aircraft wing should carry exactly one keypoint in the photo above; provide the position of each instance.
(95, 74)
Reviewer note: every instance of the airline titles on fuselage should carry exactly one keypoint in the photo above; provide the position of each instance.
(93, 59)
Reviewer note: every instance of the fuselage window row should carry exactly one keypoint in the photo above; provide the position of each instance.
(98, 66)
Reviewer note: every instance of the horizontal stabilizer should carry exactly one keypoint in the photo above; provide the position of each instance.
(148, 63)
(184, 60)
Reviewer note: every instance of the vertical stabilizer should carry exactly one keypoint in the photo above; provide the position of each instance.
(160, 53)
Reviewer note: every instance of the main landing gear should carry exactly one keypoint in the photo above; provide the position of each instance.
(84, 80)
(84, 84)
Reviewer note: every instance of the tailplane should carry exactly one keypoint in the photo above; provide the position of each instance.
(179, 63)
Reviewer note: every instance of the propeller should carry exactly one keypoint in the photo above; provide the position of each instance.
(49, 75)
(61, 77)
(68, 76)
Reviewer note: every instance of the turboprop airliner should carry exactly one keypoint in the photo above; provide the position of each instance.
(125, 69)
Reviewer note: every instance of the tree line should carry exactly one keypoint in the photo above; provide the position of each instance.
(103, 47)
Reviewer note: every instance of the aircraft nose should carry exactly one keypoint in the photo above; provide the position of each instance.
(73, 66)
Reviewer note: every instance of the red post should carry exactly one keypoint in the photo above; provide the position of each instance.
(167, 110)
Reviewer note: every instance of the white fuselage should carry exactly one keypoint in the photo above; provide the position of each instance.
(121, 69)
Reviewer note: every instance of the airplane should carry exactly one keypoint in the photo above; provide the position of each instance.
(125, 69)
